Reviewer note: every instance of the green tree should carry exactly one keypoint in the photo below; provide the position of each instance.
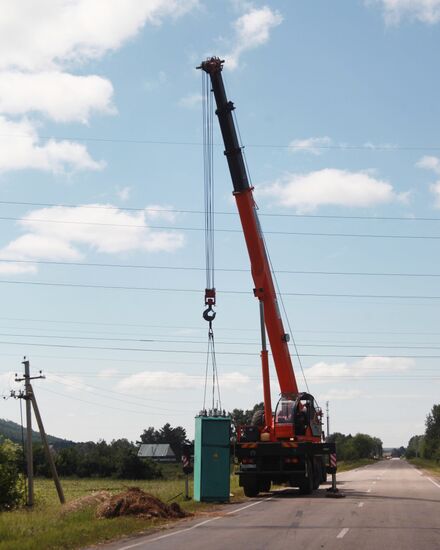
(415, 446)
(10, 490)
(432, 433)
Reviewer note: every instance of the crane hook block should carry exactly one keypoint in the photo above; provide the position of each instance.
(209, 314)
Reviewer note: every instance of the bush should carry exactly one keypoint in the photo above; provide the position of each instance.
(10, 491)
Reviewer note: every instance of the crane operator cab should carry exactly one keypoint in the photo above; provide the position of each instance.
(298, 418)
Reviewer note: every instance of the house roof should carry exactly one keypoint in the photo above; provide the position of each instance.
(159, 450)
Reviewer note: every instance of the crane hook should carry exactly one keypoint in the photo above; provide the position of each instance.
(209, 314)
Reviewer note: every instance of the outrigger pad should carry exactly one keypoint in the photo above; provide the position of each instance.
(334, 493)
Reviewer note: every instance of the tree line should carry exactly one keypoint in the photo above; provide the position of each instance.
(118, 459)
(427, 445)
(354, 447)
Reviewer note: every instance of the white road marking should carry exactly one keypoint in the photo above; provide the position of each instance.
(369, 490)
(432, 481)
(169, 534)
(360, 504)
(247, 506)
(374, 482)
(343, 532)
(193, 527)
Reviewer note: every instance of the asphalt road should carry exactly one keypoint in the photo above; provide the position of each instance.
(389, 505)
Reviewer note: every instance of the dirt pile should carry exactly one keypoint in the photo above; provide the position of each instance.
(80, 503)
(135, 502)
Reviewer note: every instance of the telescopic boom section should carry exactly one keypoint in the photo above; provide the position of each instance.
(243, 192)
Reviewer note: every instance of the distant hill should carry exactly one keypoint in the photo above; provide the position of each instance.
(12, 430)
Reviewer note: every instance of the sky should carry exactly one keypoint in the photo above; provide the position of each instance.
(102, 259)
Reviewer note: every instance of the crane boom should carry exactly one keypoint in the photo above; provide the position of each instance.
(243, 192)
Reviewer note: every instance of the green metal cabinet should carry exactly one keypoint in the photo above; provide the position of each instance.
(212, 458)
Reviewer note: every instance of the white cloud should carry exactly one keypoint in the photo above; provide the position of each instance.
(432, 164)
(435, 190)
(251, 30)
(20, 149)
(425, 11)
(73, 384)
(330, 186)
(60, 96)
(42, 35)
(165, 380)
(157, 212)
(364, 367)
(97, 227)
(429, 163)
(191, 100)
(39, 42)
(124, 193)
(107, 373)
(339, 394)
(309, 145)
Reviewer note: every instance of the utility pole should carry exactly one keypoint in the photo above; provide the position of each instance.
(31, 401)
(29, 455)
(328, 418)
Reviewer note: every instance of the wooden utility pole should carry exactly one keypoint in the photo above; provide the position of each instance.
(31, 401)
(29, 454)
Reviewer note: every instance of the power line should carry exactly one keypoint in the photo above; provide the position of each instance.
(233, 329)
(99, 390)
(224, 230)
(137, 141)
(196, 352)
(366, 345)
(219, 212)
(315, 378)
(226, 270)
(234, 292)
(143, 413)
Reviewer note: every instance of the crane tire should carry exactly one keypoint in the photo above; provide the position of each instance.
(250, 489)
(264, 485)
(306, 485)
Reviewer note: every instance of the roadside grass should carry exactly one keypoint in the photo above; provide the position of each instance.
(430, 465)
(47, 527)
(346, 465)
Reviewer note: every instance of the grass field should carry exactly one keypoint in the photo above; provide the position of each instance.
(47, 527)
(431, 465)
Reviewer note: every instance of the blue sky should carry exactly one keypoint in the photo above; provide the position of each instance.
(101, 163)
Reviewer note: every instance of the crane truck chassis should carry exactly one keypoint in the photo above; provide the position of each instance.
(285, 446)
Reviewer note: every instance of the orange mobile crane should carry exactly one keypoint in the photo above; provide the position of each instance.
(286, 446)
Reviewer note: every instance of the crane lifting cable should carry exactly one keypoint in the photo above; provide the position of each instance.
(209, 314)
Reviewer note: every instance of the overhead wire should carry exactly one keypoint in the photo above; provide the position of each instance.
(232, 292)
(222, 230)
(234, 329)
(227, 270)
(138, 141)
(409, 218)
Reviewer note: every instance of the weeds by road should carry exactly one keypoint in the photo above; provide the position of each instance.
(353, 464)
(431, 466)
(48, 527)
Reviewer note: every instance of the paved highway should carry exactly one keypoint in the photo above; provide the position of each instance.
(389, 505)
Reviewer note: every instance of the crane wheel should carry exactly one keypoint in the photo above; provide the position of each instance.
(250, 486)
(264, 485)
(307, 484)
